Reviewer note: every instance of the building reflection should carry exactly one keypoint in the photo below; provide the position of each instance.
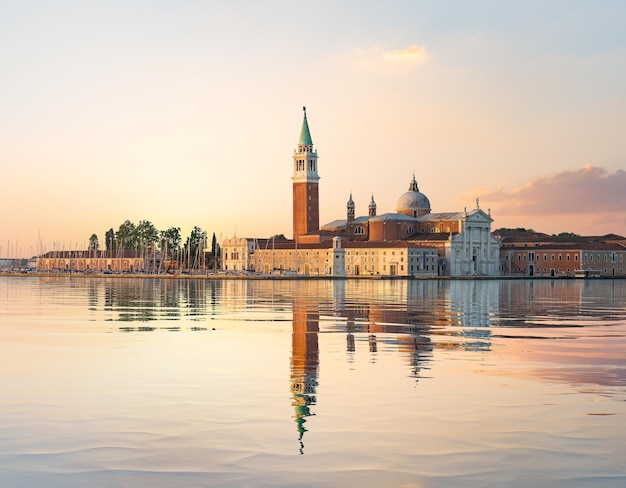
(304, 361)
(121, 299)
(373, 318)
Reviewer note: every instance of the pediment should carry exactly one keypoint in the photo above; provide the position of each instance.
(478, 216)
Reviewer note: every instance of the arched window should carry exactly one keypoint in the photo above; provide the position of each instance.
(359, 230)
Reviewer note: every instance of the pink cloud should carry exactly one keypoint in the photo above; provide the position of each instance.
(587, 190)
(590, 199)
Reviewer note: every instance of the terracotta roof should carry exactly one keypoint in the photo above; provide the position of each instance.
(430, 236)
(574, 246)
(95, 254)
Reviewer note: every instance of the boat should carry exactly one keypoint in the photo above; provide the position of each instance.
(587, 273)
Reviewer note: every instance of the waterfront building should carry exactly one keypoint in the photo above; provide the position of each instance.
(412, 241)
(122, 261)
(537, 254)
(237, 253)
(338, 258)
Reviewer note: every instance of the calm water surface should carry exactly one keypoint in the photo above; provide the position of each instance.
(184, 383)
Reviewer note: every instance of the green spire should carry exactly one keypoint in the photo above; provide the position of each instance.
(305, 135)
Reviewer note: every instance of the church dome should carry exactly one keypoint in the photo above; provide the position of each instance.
(413, 202)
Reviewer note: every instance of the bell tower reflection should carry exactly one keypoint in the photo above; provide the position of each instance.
(304, 361)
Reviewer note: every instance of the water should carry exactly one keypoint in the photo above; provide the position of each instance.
(150, 382)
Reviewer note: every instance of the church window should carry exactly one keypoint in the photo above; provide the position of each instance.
(359, 230)
(575, 257)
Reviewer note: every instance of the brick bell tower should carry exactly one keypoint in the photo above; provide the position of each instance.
(306, 208)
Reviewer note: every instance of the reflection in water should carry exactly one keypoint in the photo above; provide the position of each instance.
(522, 374)
(304, 360)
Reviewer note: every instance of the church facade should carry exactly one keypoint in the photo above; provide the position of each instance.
(412, 241)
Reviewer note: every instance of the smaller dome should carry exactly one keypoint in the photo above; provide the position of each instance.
(413, 202)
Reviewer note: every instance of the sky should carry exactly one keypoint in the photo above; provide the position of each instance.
(187, 113)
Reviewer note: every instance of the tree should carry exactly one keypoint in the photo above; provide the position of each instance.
(169, 241)
(93, 243)
(146, 234)
(279, 237)
(213, 245)
(215, 253)
(109, 239)
(517, 229)
(194, 246)
(126, 237)
(217, 257)
(566, 234)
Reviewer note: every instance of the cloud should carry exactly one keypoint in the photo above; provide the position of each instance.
(412, 54)
(377, 59)
(589, 200)
(590, 189)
